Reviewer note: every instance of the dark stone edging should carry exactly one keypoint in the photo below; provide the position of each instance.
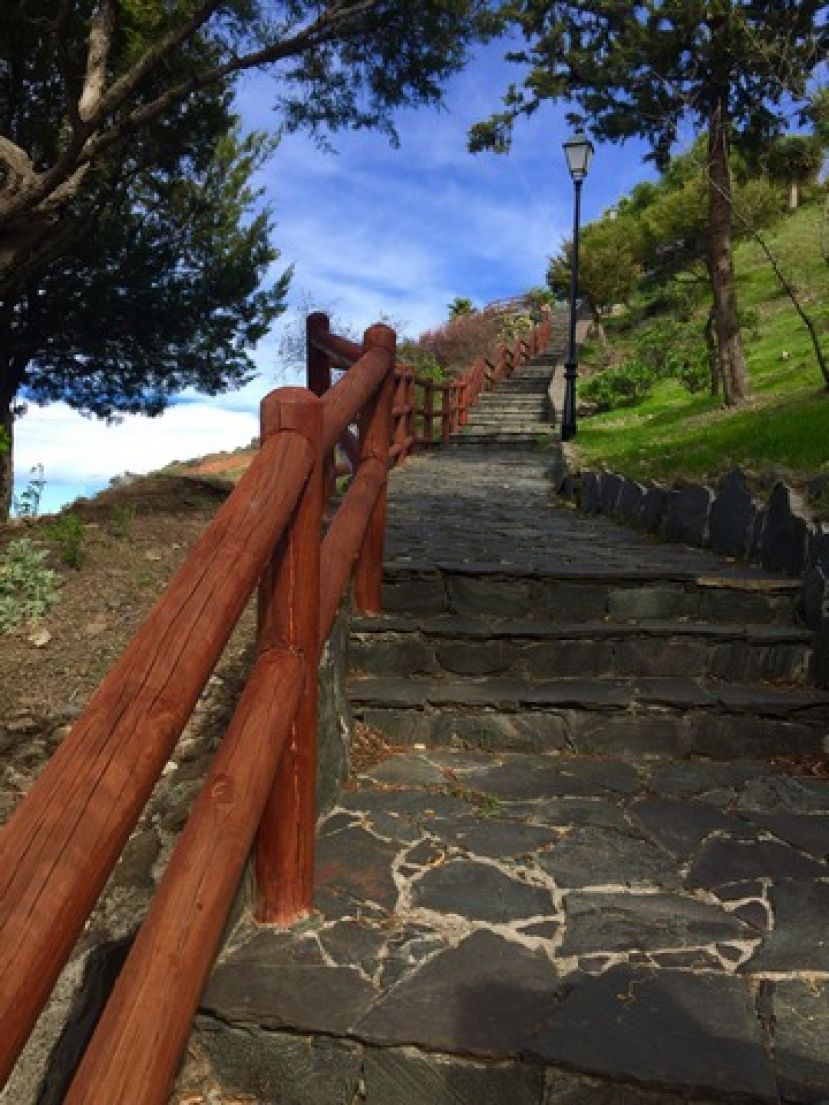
(777, 535)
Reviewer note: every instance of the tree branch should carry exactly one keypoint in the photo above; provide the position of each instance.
(100, 39)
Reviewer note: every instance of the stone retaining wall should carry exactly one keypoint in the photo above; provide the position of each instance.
(778, 534)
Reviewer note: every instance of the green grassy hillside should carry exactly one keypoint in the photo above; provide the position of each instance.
(785, 425)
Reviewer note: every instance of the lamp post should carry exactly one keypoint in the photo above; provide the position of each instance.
(579, 151)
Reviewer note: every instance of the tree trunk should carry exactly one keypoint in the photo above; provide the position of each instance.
(601, 334)
(733, 370)
(711, 349)
(6, 451)
(794, 195)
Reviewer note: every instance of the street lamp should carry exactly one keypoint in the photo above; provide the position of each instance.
(579, 151)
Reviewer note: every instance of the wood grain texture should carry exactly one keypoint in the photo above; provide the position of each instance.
(289, 599)
(134, 1053)
(375, 430)
(348, 396)
(63, 841)
(343, 541)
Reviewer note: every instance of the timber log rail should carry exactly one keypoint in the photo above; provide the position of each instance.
(425, 411)
(65, 838)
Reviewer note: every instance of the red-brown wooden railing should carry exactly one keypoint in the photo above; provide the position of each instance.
(65, 838)
(62, 842)
(444, 404)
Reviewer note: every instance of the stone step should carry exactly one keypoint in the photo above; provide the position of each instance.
(673, 717)
(492, 424)
(448, 647)
(564, 596)
(523, 441)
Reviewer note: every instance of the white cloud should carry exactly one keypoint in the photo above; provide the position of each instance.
(76, 449)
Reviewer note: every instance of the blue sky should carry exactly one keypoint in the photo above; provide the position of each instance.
(372, 231)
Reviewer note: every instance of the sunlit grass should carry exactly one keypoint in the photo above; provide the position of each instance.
(785, 425)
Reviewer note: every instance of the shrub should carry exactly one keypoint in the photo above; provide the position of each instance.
(625, 386)
(67, 533)
(456, 344)
(27, 586)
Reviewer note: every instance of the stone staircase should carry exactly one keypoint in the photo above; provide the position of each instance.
(594, 871)
(518, 415)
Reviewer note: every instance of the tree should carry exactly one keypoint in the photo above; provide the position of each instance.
(160, 288)
(130, 255)
(608, 265)
(80, 78)
(795, 160)
(461, 305)
(644, 68)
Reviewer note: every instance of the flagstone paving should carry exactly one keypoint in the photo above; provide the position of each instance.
(580, 881)
(650, 923)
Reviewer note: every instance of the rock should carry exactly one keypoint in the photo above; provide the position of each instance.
(629, 506)
(709, 1037)
(152, 554)
(726, 861)
(801, 1019)
(487, 996)
(621, 922)
(654, 506)
(686, 516)
(591, 500)
(593, 856)
(785, 536)
(815, 598)
(610, 488)
(480, 892)
(799, 940)
(40, 638)
(731, 516)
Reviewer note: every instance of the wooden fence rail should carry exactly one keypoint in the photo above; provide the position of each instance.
(424, 411)
(61, 844)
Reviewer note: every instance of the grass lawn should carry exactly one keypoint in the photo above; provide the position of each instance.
(786, 423)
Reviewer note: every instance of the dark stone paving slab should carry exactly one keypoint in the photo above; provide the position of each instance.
(497, 914)
(696, 1031)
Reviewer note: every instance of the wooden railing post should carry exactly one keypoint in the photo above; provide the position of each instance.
(429, 412)
(375, 434)
(463, 400)
(289, 618)
(411, 425)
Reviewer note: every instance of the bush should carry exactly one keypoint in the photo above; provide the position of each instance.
(625, 386)
(27, 586)
(456, 344)
(67, 533)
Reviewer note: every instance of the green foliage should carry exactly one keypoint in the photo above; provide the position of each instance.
(625, 386)
(641, 69)
(461, 305)
(795, 158)
(511, 327)
(676, 432)
(27, 586)
(67, 533)
(120, 520)
(27, 503)
(609, 264)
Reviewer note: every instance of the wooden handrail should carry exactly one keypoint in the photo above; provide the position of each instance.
(175, 948)
(59, 847)
(61, 844)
